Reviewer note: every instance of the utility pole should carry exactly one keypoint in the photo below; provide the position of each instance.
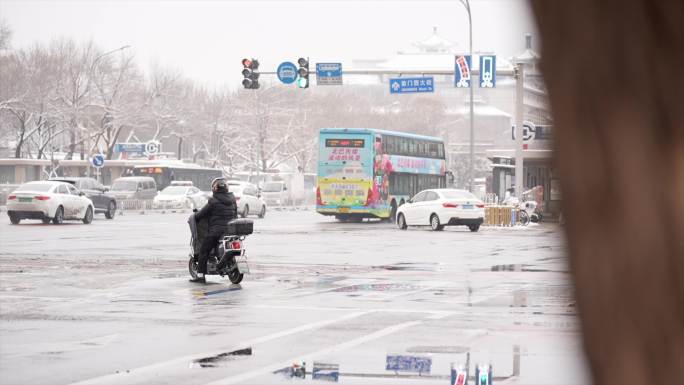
(519, 111)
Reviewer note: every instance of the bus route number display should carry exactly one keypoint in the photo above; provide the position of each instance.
(352, 143)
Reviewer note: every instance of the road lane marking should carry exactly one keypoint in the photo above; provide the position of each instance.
(183, 361)
(318, 353)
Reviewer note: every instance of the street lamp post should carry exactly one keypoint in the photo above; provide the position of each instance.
(466, 4)
(90, 79)
(92, 66)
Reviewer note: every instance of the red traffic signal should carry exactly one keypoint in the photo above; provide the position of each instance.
(250, 73)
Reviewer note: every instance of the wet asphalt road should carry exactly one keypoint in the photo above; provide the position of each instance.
(109, 303)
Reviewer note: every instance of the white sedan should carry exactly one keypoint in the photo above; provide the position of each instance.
(179, 197)
(49, 201)
(442, 207)
(248, 198)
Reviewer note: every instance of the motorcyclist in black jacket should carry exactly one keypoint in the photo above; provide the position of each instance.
(220, 209)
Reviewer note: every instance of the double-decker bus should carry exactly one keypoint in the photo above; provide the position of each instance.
(368, 173)
(164, 174)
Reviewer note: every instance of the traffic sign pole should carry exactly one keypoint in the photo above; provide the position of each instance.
(519, 110)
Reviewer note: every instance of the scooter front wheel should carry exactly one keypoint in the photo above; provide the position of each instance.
(192, 267)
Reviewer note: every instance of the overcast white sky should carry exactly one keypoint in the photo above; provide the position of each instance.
(206, 40)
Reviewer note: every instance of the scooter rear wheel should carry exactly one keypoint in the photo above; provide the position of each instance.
(235, 276)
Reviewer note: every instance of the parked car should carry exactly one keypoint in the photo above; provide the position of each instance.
(178, 197)
(442, 207)
(134, 187)
(49, 201)
(104, 202)
(275, 193)
(248, 198)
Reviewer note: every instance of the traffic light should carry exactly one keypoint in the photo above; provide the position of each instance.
(303, 80)
(250, 73)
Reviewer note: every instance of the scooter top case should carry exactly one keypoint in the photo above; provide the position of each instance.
(240, 227)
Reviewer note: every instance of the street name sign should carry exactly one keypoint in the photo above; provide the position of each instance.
(412, 85)
(329, 74)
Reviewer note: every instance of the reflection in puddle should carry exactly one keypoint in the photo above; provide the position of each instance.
(520, 267)
(214, 361)
(377, 287)
(407, 266)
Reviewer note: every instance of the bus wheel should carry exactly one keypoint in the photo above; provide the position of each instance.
(342, 218)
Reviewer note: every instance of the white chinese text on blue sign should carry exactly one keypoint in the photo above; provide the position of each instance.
(412, 85)
(400, 363)
(328, 74)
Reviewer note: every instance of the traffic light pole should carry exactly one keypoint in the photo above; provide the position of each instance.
(403, 72)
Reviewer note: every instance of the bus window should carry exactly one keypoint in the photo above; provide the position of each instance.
(434, 152)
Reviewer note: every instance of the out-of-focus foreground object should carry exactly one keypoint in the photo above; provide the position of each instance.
(614, 74)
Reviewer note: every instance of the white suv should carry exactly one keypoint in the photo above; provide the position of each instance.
(248, 198)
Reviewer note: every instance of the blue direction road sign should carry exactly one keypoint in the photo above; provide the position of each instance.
(287, 72)
(408, 364)
(412, 85)
(462, 71)
(328, 74)
(130, 147)
(97, 160)
(487, 71)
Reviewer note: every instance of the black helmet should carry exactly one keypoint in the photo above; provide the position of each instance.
(219, 184)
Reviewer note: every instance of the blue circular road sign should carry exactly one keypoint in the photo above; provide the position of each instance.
(98, 160)
(287, 72)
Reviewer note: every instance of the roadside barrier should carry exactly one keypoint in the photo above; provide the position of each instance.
(501, 216)
(142, 206)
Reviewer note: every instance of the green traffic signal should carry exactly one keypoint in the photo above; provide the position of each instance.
(303, 80)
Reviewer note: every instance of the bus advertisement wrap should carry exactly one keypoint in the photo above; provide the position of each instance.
(417, 165)
(358, 178)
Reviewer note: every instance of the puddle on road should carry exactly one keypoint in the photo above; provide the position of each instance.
(142, 300)
(408, 266)
(203, 294)
(170, 275)
(377, 287)
(519, 267)
(439, 349)
(516, 267)
(217, 360)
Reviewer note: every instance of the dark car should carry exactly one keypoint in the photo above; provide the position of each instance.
(104, 202)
